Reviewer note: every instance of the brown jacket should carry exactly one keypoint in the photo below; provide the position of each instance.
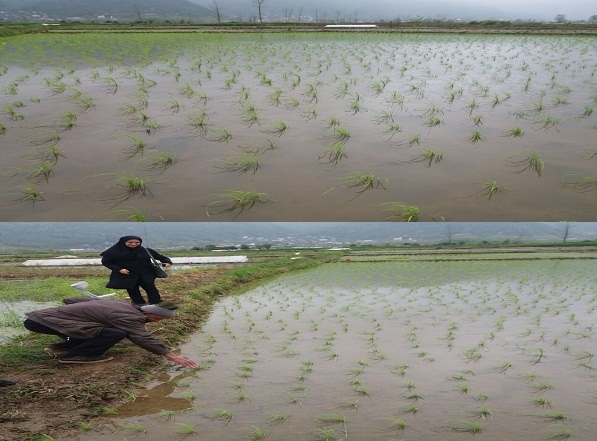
(83, 318)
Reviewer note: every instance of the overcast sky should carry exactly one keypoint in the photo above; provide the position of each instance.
(573, 9)
(544, 10)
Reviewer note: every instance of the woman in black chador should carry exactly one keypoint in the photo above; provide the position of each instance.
(132, 268)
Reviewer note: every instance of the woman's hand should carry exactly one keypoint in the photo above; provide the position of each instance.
(166, 265)
(124, 271)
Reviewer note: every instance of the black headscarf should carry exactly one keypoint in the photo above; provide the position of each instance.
(121, 251)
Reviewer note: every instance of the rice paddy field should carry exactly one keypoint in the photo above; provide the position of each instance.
(502, 350)
(300, 127)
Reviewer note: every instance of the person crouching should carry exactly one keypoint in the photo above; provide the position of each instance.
(89, 327)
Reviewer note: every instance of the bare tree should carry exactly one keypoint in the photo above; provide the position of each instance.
(138, 11)
(449, 234)
(316, 13)
(288, 14)
(216, 10)
(259, 4)
(299, 14)
(564, 230)
(560, 18)
(338, 15)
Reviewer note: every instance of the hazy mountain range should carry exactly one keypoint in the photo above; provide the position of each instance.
(65, 235)
(309, 10)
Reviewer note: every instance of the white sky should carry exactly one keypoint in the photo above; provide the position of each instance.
(573, 9)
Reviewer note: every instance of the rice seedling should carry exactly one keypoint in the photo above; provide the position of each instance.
(151, 127)
(245, 163)
(476, 136)
(429, 156)
(256, 433)
(159, 160)
(484, 413)
(236, 200)
(334, 153)
(391, 130)
(414, 396)
(222, 415)
(291, 103)
(555, 416)
(86, 426)
(259, 149)
(110, 84)
(187, 91)
(481, 397)
(397, 425)
(561, 434)
(579, 183)
(467, 427)
(530, 161)
(30, 195)
(277, 128)
(309, 113)
(295, 400)
(473, 355)
(3, 129)
(541, 387)
(242, 397)
(348, 403)
(137, 146)
(539, 354)
(130, 186)
(504, 365)
(464, 388)
(325, 434)
(185, 429)
(334, 418)
(199, 122)
(341, 135)
(489, 189)
(249, 115)
(275, 418)
(403, 212)
(547, 122)
(14, 116)
(218, 135)
(42, 172)
(362, 390)
(134, 427)
(133, 215)
(332, 122)
(384, 117)
(543, 402)
(368, 181)
(432, 121)
(588, 111)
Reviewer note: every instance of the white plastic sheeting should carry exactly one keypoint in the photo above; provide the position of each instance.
(175, 260)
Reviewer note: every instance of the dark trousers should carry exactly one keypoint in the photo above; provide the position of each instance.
(153, 294)
(104, 340)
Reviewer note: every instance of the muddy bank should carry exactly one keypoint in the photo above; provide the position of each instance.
(54, 399)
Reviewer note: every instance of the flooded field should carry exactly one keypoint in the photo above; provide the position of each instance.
(387, 351)
(300, 127)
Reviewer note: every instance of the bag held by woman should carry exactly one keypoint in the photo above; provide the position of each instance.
(159, 271)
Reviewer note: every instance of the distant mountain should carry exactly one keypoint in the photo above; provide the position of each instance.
(117, 9)
(66, 235)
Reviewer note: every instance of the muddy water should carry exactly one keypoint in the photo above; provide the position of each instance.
(512, 82)
(370, 341)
